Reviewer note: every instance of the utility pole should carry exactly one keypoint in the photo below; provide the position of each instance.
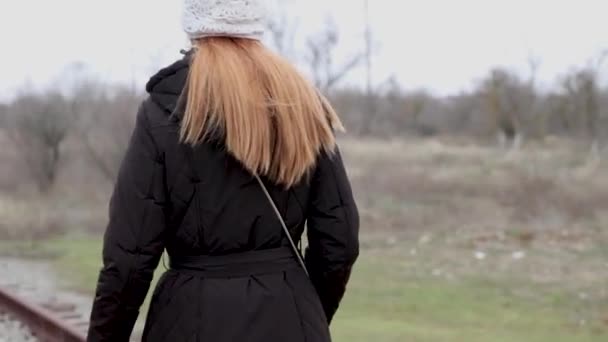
(370, 105)
(368, 48)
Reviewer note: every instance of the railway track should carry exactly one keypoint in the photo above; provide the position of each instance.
(36, 307)
(48, 321)
(38, 285)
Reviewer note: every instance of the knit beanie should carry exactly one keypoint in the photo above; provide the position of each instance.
(227, 18)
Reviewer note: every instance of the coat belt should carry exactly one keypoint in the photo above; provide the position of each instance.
(238, 264)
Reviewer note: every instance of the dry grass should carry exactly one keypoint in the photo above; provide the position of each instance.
(548, 199)
(544, 192)
(430, 185)
(78, 201)
(539, 214)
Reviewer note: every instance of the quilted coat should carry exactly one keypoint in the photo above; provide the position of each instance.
(232, 276)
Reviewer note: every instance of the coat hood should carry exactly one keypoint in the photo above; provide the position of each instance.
(166, 87)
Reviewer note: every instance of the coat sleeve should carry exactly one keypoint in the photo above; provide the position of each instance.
(133, 242)
(333, 232)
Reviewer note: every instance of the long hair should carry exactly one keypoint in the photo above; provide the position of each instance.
(273, 120)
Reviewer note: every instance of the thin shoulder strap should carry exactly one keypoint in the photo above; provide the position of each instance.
(278, 214)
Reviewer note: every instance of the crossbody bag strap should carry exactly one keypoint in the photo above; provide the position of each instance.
(296, 251)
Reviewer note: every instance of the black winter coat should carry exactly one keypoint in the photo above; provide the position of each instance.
(200, 204)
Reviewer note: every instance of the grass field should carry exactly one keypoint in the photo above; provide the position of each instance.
(461, 242)
(389, 299)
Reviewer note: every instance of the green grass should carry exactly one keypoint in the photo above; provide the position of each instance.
(385, 303)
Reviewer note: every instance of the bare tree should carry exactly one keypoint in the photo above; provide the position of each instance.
(388, 102)
(461, 111)
(39, 125)
(3, 116)
(106, 123)
(414, 105)
(321, 57)
(581, 91)
(510, 102)
(282, 29)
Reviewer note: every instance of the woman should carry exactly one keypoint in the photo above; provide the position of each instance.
(229, 111)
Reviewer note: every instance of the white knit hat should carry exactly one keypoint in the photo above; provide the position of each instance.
(230, 18)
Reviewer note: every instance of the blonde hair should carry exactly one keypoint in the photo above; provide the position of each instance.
(272, 119)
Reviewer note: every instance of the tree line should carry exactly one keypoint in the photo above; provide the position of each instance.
(504, 106)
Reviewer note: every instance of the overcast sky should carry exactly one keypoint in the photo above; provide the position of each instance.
(441, 45)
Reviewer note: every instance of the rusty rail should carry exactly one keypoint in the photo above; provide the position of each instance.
(42, 322)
